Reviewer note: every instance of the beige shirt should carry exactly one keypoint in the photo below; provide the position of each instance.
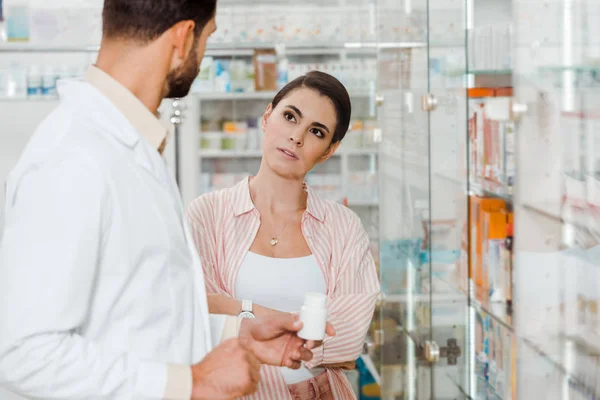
(156, 132)
(148, 125)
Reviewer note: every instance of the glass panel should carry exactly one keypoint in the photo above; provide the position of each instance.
(404, 199)
(557, 268)
(447, 229)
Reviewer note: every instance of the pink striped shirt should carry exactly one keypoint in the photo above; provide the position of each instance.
(224, 225)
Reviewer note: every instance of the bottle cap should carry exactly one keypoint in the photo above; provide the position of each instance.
(315, 300)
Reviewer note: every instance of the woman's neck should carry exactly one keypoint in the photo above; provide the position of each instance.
(276, 195)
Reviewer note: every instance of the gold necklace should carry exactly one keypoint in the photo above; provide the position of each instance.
(275, 239)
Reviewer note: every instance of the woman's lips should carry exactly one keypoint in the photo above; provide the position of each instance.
(287, 153)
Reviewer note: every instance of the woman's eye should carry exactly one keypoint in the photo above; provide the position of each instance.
(290, 117)
(317, 132)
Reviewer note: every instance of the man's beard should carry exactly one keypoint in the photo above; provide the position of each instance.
(180, 81)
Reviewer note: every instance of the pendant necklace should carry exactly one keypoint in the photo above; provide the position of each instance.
(274, 240)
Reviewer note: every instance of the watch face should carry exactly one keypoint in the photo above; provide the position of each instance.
(246, 314)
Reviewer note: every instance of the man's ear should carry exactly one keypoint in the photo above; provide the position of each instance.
(266, 116)
(182, 37)
(330, 151)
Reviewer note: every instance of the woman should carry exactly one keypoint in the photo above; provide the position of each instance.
(270, 239)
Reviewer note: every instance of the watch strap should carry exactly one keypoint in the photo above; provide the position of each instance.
(247, 305)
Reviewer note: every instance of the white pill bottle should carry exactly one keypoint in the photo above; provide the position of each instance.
(313, 316)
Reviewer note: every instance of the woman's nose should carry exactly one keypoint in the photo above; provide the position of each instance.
(296, 139)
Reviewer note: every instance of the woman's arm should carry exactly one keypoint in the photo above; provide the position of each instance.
(353, 302)
(224, 304)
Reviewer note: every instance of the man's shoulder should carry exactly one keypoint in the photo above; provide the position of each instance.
(61, 140)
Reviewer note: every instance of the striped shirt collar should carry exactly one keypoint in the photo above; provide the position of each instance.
(242, 202)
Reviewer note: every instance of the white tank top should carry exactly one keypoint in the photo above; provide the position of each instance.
(280, 284)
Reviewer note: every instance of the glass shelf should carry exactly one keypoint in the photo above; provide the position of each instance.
(235, 49)
(485, 187)
(257, 95)
(29, 99)
(574, 362)
(507, 71)
(498, 311)
(42, 48)
(552, 212)
(481, 187)
(575, 68)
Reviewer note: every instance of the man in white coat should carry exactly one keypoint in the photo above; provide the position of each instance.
(101, 289)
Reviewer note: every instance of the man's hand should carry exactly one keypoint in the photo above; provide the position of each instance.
(274, 340)
(228, 372)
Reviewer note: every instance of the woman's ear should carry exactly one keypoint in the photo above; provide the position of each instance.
(266, 116)
(330, 151)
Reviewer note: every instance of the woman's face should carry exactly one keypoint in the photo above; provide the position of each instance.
(298, 133)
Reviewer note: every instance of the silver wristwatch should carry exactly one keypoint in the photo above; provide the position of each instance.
(246, 309)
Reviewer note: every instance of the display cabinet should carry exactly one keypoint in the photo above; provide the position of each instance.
(473, 161)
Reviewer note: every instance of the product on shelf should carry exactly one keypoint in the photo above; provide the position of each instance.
(265, 69)
(293, 24)
(34, 81)
(492, 368)
(242, 76)
(479, 206)
(490, 47)
(506, 276)
(481, 353)
(271, 72)
(211, 140)
(494, 240)
(17, 22)
(222, 76)
(205, 81)
(495, 358)
(492, 147)
(234, 135)
(328, 186)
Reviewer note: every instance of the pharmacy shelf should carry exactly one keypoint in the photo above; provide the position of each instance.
(498, 311)
(235, 49)
(29, 99)
(449, 295)
(481, 187)
(567, 356)
(575, 68)
(218, 154)
(257, 95)
(581, 349)
(484, 187)
(507, 71)
(45, 48)
(316, 48)
(552, 212)
(455, 381)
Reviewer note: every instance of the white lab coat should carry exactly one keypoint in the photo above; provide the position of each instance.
(100, 284)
